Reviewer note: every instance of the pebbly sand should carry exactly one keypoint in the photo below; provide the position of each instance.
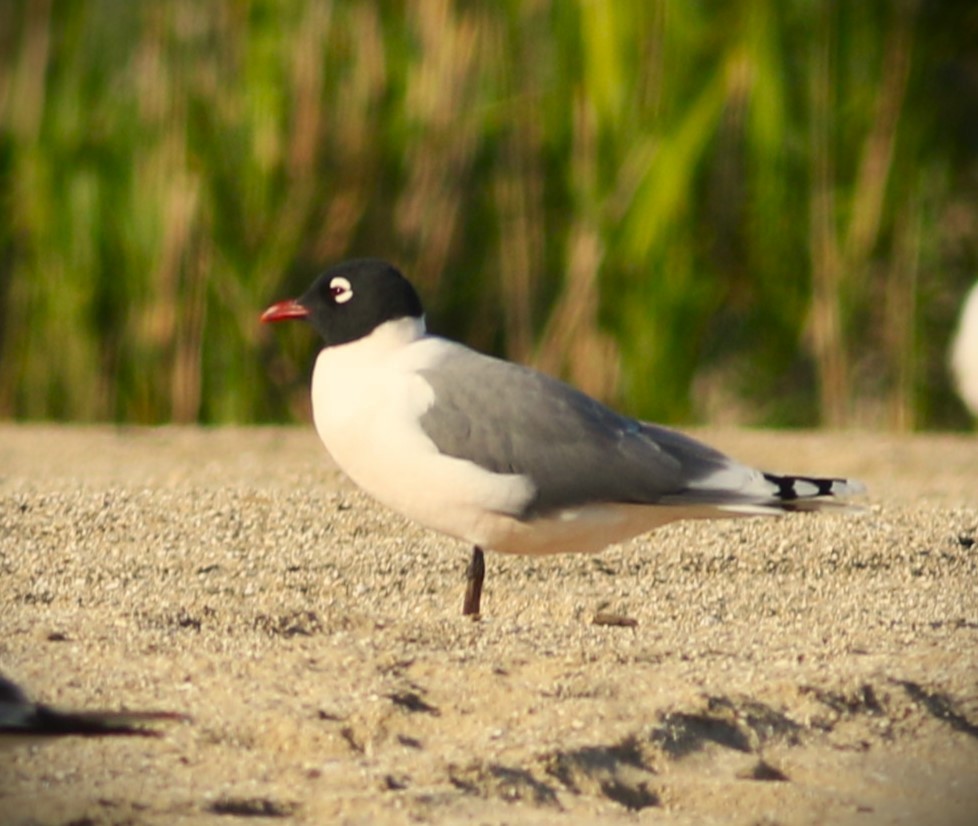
(798, 670)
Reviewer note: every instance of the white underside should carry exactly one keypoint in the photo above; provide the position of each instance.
(590, 528)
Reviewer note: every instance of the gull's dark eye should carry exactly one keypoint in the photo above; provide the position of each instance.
(340, 290)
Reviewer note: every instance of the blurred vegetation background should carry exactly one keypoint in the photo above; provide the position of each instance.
(760, 211)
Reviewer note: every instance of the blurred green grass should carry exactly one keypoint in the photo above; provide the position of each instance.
(755, 212)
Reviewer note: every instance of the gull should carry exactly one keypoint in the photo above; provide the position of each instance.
(497, 454)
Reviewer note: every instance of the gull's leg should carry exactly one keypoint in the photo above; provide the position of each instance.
(474, 576)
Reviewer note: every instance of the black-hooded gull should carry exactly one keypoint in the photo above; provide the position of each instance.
(497, 454)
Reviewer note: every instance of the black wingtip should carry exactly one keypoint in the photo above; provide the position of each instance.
(792, 488)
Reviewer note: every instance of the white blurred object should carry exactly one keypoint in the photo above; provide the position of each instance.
(964, 352)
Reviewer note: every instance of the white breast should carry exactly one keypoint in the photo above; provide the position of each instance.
(368, 398)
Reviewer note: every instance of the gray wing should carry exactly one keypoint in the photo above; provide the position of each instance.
(511, 419)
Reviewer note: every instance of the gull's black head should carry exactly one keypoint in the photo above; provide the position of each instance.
(351, 300)
(11, 694)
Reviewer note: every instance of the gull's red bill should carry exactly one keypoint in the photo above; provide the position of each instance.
(283, 311)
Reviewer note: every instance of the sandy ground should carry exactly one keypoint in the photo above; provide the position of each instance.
(798, 670)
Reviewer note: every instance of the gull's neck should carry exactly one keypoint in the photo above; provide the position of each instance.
(374, 347)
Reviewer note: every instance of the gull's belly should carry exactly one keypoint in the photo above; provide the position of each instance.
(588, 528)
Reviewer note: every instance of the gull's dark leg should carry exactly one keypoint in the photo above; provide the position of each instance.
(474, 576)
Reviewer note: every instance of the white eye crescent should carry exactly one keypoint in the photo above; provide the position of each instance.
(341, 290)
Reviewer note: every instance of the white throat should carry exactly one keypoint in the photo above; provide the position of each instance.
(378, 344)
(355, 379)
